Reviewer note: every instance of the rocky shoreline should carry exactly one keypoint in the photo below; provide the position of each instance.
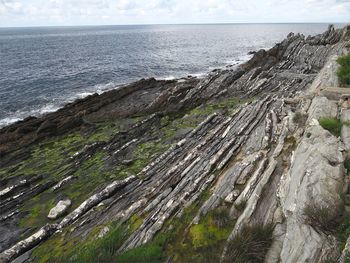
(174, 160)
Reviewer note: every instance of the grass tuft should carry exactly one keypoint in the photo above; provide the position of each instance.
(344, 70)
(250, 245)
(323, 218)
(332, 125)
(150, 252)
(100, 250)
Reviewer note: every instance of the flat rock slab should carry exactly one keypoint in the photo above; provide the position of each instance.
(335, 93)
(61, 207)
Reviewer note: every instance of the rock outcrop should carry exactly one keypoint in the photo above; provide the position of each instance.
(255, 152)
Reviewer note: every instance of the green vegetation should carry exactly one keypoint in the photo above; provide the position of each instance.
(202, 242)
(211, 229)
(52, 158)
(151, 252)
(343, 229)
(142, 156)
(135, 222)
(347, 258)
(250, 245)
(37, 209)
(229, 105)
(101, 249)
(344, 70)
(332, 125)
(92, 250)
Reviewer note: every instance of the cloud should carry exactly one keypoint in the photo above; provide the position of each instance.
(67, 12)
(10, 6)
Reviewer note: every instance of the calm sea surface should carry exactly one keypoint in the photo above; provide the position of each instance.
(41, 69)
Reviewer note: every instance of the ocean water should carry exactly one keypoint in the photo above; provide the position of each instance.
(41, 69)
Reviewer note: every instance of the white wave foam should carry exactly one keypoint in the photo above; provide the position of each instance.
(46, 109)
(8, 120)
(83, 94)
(100, 88)
(171, 77)
(51, 107)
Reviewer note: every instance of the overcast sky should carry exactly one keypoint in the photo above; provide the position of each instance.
(113, 12)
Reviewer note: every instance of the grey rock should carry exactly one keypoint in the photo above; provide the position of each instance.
(61, 208)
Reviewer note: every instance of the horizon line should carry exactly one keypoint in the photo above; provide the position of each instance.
(174, 24)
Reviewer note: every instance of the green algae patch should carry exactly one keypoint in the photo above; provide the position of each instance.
(142, 156)
(135, 222)
(215, 227)
(54, 249)
(49, 158)
(204, 241)
(36, 210)
(228, 105)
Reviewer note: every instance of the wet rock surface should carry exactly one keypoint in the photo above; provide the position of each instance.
(240, 147)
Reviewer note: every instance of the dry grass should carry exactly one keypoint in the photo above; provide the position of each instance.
(250, 245)
(323, 218)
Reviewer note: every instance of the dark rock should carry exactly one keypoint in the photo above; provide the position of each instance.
(47, 126)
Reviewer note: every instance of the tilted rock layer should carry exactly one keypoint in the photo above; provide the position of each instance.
(241, 147)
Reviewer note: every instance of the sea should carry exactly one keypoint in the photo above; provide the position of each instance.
(43, 68)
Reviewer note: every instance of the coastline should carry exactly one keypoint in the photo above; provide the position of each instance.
(63, 88)
(195, 162)
(102, 88)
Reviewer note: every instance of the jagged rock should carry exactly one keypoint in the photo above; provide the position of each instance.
(256, 148)
(49, 229)
(232, 196)
(61, 207)
(316, 173)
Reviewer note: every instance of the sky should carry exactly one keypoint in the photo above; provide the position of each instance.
(118, 12)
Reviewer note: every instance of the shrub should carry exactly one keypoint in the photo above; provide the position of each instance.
(323, 218)
(332, 125)
(344, 70)
(250, 245)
